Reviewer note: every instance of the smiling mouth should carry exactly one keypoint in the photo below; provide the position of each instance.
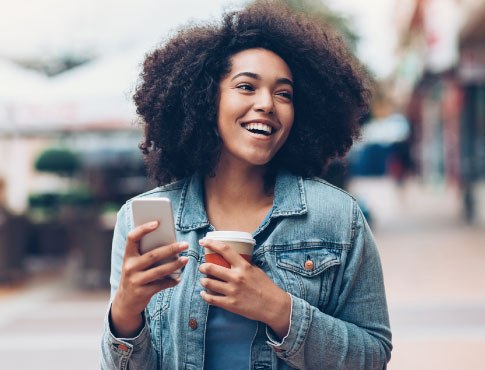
(258, 128)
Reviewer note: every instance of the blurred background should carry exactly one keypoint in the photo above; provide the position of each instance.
(69, 160)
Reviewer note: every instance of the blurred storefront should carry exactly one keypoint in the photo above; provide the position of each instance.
(440, 85)
(69, 160)
(471, 77)
(87, 109)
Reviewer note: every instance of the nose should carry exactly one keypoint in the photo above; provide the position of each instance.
(264, 102)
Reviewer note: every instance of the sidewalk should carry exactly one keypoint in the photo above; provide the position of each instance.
(48, 323)
(433, 270)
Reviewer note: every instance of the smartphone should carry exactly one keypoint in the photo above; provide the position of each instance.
(151, 209)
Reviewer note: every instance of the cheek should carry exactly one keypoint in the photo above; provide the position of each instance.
(287, 120)
(222, 116)
(292, 118)
(229, 109)
(289, 117)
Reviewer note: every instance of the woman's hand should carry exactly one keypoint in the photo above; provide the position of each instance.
(246, 290)
(140, 280)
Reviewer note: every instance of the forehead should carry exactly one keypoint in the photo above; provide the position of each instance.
(260, 61)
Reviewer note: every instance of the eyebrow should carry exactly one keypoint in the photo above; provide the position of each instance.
(258, 77)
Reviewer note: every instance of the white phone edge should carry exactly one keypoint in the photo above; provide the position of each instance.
(150, 209)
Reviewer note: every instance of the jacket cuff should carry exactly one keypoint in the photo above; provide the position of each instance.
(300, 320)
(125, 346)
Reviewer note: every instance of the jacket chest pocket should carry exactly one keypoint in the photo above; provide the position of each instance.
(308, 272)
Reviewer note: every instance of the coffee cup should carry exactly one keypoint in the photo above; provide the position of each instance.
(242, 242)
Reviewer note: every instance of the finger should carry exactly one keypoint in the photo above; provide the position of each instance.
(217, 271)
(134, 236)
(161, 253)
(229, 254)
(215, 285)
(214, 300)
(162, 271)
(158, 285)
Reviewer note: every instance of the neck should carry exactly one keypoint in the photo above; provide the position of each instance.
(237, 184)
(235, 198)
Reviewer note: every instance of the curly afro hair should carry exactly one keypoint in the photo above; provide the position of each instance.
(176, 98)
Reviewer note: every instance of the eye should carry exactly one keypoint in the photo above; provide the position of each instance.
(245, 86)
(285, 94)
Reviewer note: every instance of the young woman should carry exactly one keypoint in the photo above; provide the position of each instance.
(239, 120)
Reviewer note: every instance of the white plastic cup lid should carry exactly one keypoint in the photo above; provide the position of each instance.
(231, 236)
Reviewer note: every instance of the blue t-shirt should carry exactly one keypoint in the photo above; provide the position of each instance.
(228, 337)
(228, 340)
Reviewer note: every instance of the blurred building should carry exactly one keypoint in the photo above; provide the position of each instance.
(471, 78)
(70, 159)
(439, 83)
(87, 109)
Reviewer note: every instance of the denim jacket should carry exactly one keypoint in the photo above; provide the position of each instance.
(316, 246)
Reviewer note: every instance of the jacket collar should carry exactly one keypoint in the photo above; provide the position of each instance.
(289, 200)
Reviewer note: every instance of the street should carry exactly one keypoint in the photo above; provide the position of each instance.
(434, 275)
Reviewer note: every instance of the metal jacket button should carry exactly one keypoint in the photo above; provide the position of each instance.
(193, 324)
(309, 265)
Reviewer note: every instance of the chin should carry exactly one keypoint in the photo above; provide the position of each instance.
(260, 162)
(255, 158)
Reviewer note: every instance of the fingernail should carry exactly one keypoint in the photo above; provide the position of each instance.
(153, 224)
(184, 259)
(202, 241)
(183, 245)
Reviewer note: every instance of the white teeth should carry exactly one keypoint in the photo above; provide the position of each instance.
(258, 126)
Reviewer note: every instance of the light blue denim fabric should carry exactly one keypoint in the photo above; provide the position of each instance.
(339, 317)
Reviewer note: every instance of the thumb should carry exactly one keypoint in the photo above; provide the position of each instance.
(135, 235)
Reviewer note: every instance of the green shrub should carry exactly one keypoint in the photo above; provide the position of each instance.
(57, 160)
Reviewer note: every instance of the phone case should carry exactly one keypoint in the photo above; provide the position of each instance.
(150, 209)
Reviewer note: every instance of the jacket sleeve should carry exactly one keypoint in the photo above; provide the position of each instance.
(356, 334)
(124, 353)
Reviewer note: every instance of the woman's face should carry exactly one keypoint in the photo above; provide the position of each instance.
(255, 111)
